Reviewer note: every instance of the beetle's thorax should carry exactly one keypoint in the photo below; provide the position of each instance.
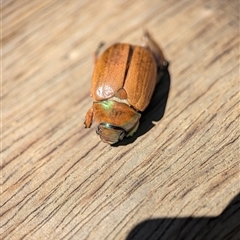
(116, 114)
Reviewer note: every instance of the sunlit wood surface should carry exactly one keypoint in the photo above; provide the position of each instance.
(175, 179)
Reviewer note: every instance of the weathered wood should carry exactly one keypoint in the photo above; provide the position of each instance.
(60, 182)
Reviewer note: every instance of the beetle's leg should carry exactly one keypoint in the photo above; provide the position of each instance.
(96, 53)
(132, 131)
(148, 42)
(89, 118)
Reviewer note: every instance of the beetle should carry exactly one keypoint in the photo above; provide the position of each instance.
(123, 82)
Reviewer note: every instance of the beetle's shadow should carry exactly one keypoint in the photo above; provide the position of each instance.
(155, 110)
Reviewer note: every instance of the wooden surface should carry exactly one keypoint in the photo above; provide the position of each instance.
(177, 178)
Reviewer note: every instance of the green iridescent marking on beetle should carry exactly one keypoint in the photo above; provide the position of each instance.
(107, 104)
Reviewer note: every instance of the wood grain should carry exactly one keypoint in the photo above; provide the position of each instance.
(58, 181)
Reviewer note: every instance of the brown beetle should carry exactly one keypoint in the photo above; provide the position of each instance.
(123, 83)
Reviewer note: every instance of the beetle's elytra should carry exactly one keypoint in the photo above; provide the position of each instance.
(123, 82)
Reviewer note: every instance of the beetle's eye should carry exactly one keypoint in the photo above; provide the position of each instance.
(122, 135)
(99, 131)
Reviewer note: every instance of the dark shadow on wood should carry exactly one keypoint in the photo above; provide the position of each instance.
(155, 110)
(224, 227)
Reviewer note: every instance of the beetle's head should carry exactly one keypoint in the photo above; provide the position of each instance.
(109, 133)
